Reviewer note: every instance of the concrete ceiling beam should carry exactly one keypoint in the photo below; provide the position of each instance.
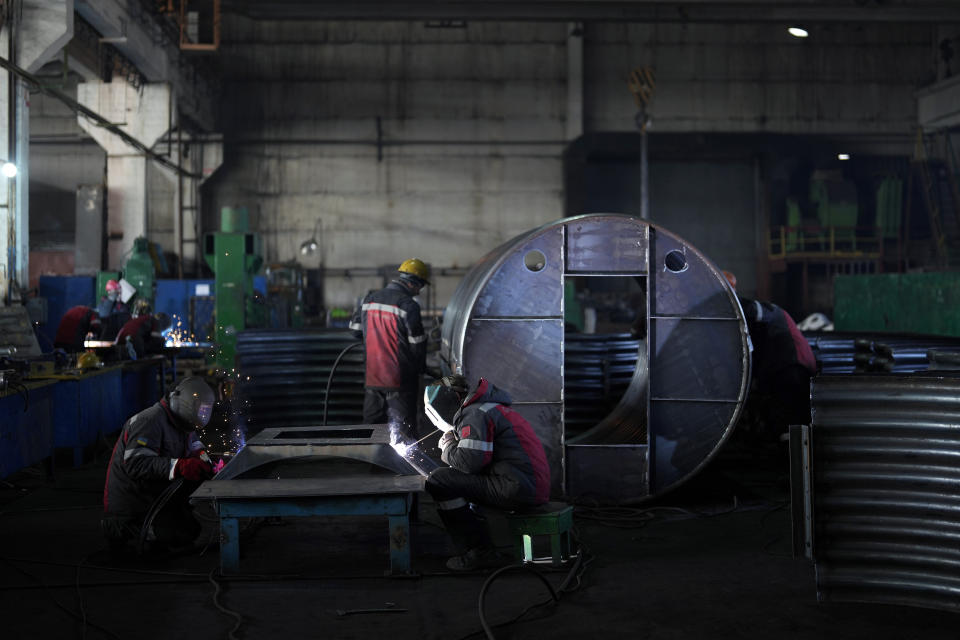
(124, 24)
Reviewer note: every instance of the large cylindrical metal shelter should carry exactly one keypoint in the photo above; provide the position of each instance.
(505, 322)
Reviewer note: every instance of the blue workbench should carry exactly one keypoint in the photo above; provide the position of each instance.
(352, 495)
(26, 426)
(86, 405)
(143, 383)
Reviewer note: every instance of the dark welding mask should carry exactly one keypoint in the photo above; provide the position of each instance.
(192, 401)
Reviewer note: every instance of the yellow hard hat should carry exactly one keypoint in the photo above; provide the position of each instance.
(88, 360)
(416, 267)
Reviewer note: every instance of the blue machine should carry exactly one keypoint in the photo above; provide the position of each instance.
(191, 302)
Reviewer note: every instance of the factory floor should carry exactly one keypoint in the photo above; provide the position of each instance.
(715, 564)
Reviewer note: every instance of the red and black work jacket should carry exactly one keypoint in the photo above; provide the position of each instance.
(73, 328)
(777, 342)
(494, 439)
(139, 330)
(396, 347)
(141, 465)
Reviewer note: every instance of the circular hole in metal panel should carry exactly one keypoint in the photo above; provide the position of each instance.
(534, 260)
(675, 261)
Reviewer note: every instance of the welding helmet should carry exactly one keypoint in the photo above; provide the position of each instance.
(441, 401)
(192, 401)
(417, 268)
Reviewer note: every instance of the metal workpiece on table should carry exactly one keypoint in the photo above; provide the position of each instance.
(883, 488)
(366, 442)
(682, 389)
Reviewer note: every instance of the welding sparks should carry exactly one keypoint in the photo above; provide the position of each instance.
(396, 440)
(178, 335)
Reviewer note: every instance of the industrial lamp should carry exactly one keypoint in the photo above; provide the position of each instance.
(9, 170)
(309, 247)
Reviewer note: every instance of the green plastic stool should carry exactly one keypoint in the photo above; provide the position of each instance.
(553, 519)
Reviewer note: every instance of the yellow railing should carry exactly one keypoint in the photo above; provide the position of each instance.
(824, 242)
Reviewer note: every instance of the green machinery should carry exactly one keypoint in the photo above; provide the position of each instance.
(139, 271)
(233, 253)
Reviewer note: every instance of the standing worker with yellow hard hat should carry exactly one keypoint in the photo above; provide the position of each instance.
(396, 349)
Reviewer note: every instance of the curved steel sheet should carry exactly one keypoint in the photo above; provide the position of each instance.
(886, 487)
(505, 322)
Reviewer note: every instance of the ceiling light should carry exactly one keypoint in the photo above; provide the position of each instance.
(843, 156)
(797, 32)
(9, 170)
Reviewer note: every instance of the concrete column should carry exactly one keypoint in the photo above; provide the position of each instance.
(8, 187)
(145, 115)
(40, 30)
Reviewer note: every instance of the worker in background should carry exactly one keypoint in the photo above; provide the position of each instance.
(783, 364)
(78, 324)
(396, 349)
(495, 458)
(143, 334)
(158, 446)
(113, 311)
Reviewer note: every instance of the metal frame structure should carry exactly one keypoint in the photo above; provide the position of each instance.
(367, 443)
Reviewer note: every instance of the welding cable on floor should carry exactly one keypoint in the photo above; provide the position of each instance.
(336, 363)
(155, 508)
(83, 611)
(62, 607)
(576, 571)
(216, 601)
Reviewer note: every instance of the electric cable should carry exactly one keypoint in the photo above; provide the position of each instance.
(83, 611)
(155, 508)
(216, 601)
(336, 363)
(59, 605)
(24, 391)
(576, 571)
(496, 574)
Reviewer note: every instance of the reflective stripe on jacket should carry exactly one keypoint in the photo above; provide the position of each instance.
(493, 438)
(395, 344)
(140, 465)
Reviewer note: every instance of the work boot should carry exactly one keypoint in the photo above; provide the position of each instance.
(477, 558)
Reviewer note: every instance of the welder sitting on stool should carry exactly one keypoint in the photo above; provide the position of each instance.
(495, 458)
(396, 349)
(156, 447)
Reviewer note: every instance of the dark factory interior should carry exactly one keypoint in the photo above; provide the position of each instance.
(453, 320)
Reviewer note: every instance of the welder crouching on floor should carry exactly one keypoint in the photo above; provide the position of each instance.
(157, 447)
(495, 458)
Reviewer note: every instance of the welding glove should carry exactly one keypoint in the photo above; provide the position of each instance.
(193, 469)
(447, 438)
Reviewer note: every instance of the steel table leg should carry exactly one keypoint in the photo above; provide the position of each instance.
(229, 545)
(399, 543)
